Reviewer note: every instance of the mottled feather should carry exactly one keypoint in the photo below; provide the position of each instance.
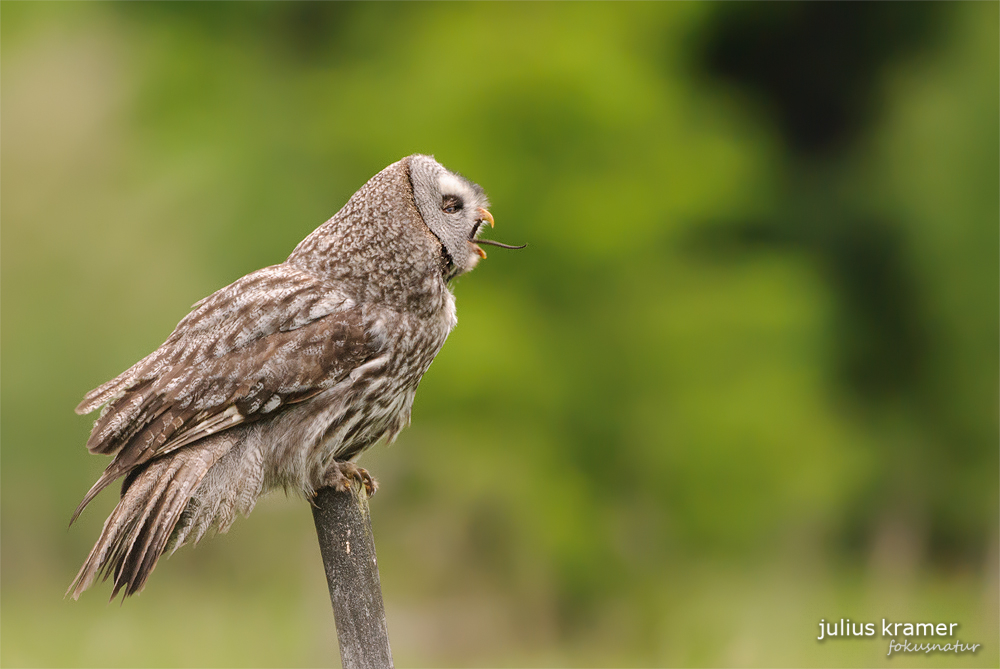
(279, 378)
(231, 362)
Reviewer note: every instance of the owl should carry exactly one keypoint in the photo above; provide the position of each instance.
(283, 378)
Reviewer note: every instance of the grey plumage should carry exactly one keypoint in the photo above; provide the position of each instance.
(284, 377)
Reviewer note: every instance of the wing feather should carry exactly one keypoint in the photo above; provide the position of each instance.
(275, 337)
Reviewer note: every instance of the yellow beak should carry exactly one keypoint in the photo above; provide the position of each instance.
(487, 216)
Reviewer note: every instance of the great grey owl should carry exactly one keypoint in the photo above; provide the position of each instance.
(284, 377)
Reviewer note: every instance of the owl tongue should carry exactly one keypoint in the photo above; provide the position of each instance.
(500, 244)
(488, 218)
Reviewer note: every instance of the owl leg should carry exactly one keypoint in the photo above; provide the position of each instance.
(341, 474)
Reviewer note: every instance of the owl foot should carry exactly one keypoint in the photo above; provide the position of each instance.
(341, 474)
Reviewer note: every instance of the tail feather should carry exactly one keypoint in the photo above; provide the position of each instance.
(103, 482)
(156, 515)
(231, 488)
(115, 470)
(198, 523)
(137, 532)
(183, 528)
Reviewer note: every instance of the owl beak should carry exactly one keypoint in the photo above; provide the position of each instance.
(486, 216)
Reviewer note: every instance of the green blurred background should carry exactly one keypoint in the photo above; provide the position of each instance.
(745, 376)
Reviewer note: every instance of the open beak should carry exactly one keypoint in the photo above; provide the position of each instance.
(488, 217)
(485, 217)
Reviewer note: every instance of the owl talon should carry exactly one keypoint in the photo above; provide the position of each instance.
(341, 474)
(369, 482)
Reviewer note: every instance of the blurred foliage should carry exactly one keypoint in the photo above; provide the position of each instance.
(744, 377)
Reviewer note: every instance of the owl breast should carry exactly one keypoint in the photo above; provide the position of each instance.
(374, 401)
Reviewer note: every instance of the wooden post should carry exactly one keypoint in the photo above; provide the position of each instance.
(345, 536)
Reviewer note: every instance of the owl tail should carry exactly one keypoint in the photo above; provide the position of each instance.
(138, 531)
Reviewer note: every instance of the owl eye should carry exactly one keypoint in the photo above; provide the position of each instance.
(450, 204)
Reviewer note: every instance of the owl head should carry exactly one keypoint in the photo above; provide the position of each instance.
(453, 208)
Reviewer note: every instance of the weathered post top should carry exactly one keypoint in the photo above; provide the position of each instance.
(344, 528)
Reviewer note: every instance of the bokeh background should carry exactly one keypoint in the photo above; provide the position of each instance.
(744, 378)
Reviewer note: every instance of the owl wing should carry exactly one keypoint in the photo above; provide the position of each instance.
(275, 337)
